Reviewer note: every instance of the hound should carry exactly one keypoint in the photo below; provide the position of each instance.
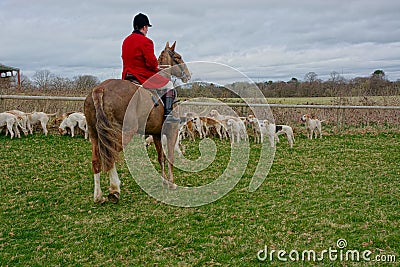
(224, 119)
(254, 128)
(215, 114)
(268, 129)
(273, 131)
(313, 125)
(11, 122)
(41, 117)
(74, 119)
(59, 119)
(236, 129)
(187, 129)
(207, 123)
(22, 119)
(200, 126)
(286, 130)
(149, 140)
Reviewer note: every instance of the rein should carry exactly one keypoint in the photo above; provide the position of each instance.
(172, 55)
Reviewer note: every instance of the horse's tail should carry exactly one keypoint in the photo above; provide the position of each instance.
(108, 133)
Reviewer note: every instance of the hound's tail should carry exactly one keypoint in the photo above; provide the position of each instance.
(109, 134)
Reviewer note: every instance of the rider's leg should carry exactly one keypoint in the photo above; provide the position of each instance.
(169, 99)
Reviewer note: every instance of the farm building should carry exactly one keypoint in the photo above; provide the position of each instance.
(6, 72)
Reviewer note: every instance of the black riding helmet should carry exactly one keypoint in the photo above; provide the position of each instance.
(140, 20)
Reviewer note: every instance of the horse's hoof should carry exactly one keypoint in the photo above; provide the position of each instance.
(165, 183)
(113, 197)
(169, 184)
(100, 201)
(172, 186)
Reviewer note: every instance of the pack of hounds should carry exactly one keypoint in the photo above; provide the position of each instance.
(15, 121)
(236, 129)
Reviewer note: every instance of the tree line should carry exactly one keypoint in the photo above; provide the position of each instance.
(46, 81)
(311, 86)
(336, 86)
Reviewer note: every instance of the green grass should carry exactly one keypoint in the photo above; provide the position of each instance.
(343, 186)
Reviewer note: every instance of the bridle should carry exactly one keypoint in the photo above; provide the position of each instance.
(183, 73)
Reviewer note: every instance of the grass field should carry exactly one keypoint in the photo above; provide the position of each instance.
(340, 187)
(355, 100)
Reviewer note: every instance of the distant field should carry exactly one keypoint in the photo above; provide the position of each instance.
(370, 100)
(303, 100)
(339, 187)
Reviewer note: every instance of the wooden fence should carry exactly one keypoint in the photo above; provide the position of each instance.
(335, 115)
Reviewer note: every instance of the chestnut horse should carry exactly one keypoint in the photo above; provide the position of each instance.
(110, 130)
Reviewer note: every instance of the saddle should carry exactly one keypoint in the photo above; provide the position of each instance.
(155, 94)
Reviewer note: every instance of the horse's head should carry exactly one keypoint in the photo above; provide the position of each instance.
(178, 67)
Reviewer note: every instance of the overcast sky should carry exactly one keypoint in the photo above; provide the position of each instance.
(266, 40)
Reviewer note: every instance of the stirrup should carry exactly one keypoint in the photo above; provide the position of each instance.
(155, 100)
(171, 119)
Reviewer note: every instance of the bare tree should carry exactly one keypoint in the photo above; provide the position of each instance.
(60, 83)
(26, 83)
(336, 77)
(336, 84)
(311, 77)
(85, 82)
(42, 79)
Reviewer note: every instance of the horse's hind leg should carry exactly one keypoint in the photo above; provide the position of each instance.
(98, 195)
(115, 183)
(96, 165)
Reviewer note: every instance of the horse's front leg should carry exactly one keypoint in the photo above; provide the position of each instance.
(114, 188)
(127, 136)
(172, 139)
(161, 156)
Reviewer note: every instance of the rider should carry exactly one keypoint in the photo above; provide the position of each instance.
(140, 64)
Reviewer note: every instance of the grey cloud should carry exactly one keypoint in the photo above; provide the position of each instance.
(264, 39)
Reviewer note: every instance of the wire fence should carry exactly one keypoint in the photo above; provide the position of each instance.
(195, 103)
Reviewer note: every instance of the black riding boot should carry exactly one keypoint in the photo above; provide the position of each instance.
(169, 117)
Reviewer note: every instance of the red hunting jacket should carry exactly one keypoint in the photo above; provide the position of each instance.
(139, 60)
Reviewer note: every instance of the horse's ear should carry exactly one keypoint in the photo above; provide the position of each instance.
(166, 46)
(173, 46)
